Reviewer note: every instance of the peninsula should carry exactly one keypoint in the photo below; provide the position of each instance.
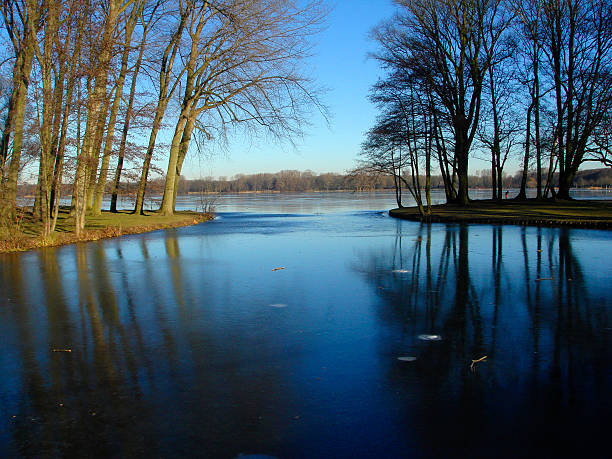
(574, 213)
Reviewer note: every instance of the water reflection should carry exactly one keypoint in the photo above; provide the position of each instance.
(92, 369)
(525, 303)
(179, 347)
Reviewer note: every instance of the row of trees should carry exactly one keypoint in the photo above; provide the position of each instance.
(492, 78)
(292, 180)
(287, 180)
(86, 82)
(296, 181)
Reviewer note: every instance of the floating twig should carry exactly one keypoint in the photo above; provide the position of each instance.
(474, 362)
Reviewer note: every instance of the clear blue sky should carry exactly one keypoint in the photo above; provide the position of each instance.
(340, 64)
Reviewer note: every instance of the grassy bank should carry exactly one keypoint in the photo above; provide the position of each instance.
(584, 214)
(25, 233)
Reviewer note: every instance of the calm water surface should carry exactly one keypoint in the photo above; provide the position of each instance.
(191, 343)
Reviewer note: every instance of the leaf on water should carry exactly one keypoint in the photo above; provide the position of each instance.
(407, 359)
(430, 337)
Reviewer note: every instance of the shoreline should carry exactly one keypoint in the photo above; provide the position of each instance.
(595, 214)
(375, 190)
(109, 225)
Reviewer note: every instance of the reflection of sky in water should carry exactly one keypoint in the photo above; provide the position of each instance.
(188, 341)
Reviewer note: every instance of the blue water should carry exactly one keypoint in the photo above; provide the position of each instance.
(192, 343)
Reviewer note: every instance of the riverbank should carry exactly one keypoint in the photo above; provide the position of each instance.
(26, 233)
(576, 213)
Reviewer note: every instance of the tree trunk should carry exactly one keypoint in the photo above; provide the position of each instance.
(92, 127)
(565, 184)
(538, 145)
(96, 148)
(461, 156)
(168, 199)
(187, 133)
(126, 122)
(108, 146)
(21, 77)
(523, 190)
(164, 95)
(142, 184)
(47, 131)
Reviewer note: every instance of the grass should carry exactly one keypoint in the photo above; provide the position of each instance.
(25, 233)
(585, 214)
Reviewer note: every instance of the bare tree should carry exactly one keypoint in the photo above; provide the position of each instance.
(244, 67)
(499, 121)
(96, 104)
(131, 21)
(21, 21)
(578, 46)
(168, 83)
(403, 137)
(529, 33)
(148, 18)
(447, 44)
(600, 150)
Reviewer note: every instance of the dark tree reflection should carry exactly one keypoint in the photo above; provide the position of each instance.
(526, 305)
(187, 342)
(99, 348)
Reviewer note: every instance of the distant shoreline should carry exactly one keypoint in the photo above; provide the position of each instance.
(379, 190)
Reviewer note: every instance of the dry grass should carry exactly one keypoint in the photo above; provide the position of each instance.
(585, 214)
(25, 233)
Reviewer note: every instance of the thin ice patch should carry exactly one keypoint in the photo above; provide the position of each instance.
(430, 337)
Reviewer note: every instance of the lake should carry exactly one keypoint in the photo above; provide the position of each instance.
(307, 326)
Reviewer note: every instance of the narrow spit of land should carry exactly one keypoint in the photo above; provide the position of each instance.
(26, 233)
(582, 214)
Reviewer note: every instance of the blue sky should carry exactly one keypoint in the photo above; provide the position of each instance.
(340, 64)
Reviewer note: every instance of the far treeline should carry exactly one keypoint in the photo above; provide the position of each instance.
(298, 181)
(308, 181)
(84, 82)
(491, 79)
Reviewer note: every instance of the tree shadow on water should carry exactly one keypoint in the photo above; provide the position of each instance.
(524, 303)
